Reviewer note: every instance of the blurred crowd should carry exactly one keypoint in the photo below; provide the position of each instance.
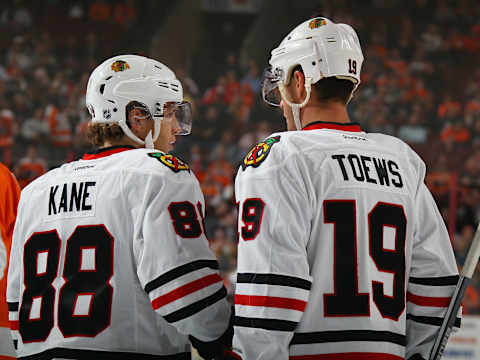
(420, 82)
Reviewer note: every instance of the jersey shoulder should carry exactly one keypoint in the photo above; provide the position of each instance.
(147, 161)
(167, 161)
(282, 146)
(261, 151)
(397, 146)
(164, 167)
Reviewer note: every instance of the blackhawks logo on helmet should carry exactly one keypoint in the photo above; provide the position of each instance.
(316, 23)
(170, 161)
(120, 65)
(259, 153)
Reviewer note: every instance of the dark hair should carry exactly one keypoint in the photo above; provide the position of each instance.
(331, 88)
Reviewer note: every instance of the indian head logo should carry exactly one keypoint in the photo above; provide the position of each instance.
(120, 65)
(172, 162)
(259, 153)
(316, 23)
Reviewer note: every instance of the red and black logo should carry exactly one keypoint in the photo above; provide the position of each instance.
(170, 161)
(259, 153)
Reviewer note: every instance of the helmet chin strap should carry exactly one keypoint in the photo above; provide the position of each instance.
(296, 107)
(149, 139)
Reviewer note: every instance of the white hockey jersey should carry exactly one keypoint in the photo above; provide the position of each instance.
(343, 254)
(110, 261)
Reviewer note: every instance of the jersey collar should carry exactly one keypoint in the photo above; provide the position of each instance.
(103, 152)
(352, 127)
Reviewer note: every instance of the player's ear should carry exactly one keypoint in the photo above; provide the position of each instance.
(299, 81)
(136, 123)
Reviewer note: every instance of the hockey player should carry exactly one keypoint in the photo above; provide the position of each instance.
(9, 195)
(343, 253)
(109, 257)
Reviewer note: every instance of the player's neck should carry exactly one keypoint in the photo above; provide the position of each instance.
(330, 112)
(124, 141)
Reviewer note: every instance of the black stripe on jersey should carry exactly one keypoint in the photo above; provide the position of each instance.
(100, 355)
(12, 306)
(274, 279)
(347, 335)
(267, 324)
(196, 306)
(435, 281)
(15, 344)
(179, 271)
(430, 320)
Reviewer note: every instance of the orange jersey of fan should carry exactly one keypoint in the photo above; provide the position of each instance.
(9, 196)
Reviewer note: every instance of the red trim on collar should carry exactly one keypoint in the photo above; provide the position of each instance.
(338, 126)
(104, 153)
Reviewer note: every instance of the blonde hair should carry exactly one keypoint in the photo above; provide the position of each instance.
(98, 133)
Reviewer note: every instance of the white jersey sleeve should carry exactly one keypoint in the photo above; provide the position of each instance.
(273, 281)
(175, 266)
(433, 275)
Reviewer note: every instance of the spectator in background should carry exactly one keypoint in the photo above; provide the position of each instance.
(223, 248)
(100, 11)
(414, 132)
(438, 178)
(227, 145)
(59, 126)
(455, 132)
(231, 64)
(380, 124)
(232, 87)
(22, 18)
(6, 135)
(30, 167)
(189, 85)
(241, 105)
(226, 218)
(125, 13)
(211, 190)
(220, 169)
(252, 77)
(471, 301)
(216, 93)
(196, 162)
(449, 109)
(36, 127)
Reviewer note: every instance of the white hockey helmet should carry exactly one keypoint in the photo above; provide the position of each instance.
(323, 49)
(125, 79)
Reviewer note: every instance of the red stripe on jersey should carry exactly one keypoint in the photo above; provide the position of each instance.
(233, 354)
(348, 356)
(13, 324)
(352, 127)
(270, 301)
(428, 300)
(106, 152)
(185, 290)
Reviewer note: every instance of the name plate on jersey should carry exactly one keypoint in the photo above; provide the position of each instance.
(361, 169)
(70, 199)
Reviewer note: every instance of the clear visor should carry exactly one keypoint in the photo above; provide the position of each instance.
(270, 92)
(181, 116)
